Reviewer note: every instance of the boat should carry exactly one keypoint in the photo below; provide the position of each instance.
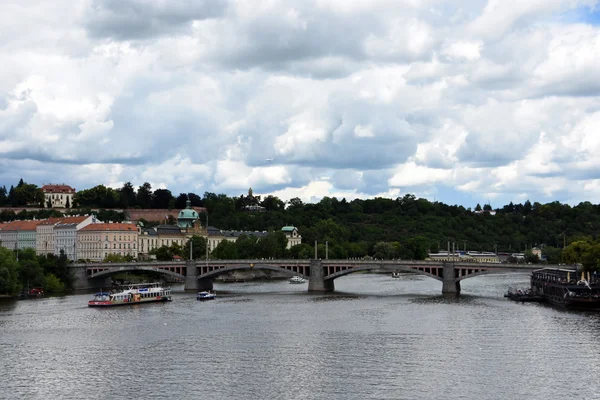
(396, 274)
(562, 287)
(297, 279)
(34, 293)
(524, 296)
(132, 294)
(206, 295)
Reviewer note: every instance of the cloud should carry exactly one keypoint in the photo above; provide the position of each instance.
(138, 19)
(457, 100)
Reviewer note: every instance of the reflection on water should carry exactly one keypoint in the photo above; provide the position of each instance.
(376, 337)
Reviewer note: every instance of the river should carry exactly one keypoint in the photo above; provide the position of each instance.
(374, 338)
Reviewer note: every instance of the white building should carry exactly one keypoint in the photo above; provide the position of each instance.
(292, 235)
(65, 234)
(58, 195)
(46, 238)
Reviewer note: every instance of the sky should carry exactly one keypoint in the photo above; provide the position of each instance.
(460, 101)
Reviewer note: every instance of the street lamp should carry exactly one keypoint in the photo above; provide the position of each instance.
(207, 236)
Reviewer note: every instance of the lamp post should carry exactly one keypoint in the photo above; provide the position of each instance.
(326, 250)
(207, 236)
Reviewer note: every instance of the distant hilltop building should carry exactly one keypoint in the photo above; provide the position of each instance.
(60, 196)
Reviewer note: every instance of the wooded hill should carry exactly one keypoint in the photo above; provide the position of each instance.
(404, 227)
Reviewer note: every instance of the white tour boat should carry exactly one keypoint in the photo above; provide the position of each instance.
(132, 294)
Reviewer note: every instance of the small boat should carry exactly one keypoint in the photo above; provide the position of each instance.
(524, 296)
(297, 279)
(34, 293)
(206, 295)
(395, 274)
(132, 294)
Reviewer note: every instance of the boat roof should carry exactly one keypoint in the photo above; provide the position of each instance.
(101, 294)
(555, 270)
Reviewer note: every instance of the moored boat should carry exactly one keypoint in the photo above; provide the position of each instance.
(524, 296)
(132, 294)
(206, 295)
(562, 287)
(395, 274)
(297, 279)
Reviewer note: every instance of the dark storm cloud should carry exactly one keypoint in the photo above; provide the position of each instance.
(139, 19)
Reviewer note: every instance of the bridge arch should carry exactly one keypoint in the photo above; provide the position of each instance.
(114, 271)
(230, 268)
(377, 267)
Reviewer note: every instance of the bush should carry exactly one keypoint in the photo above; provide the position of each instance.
(54, 285)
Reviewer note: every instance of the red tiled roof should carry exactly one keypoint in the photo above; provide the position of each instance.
(58, 189)
(22, 225)
(74, 220)
(110, 227)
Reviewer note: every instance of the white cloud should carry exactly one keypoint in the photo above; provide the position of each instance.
(490, 98)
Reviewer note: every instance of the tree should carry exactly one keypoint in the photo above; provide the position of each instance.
(198, 244)
(531, 258)
(384, 251)
(9, 272)
(295, 204)
(272, 203)
(144, 195)
(11, 196)
(195, 200)
(180, 201)
(478, 207)
(127, 195)
(162, 253)
(225, 250)
(3, 196)
(246, 246)
(302, 251)
(161, 198)
(68, 205)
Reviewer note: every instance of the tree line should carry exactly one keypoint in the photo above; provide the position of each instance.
(24, 269)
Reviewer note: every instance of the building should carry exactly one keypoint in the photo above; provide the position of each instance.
(216, 236)
(46, 234)
(60, 196)
(292, 235)
(19, 235)
(8, 235)
(158, 236)
(96, 241)
(65, 234)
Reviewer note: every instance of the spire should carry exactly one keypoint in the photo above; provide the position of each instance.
(188, 204)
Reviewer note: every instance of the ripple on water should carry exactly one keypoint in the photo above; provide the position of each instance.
(376, 338)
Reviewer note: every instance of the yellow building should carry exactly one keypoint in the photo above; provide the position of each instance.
(96, 241)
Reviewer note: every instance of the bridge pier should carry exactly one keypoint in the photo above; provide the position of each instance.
(450, 284)
(316, 281)
(191, 279)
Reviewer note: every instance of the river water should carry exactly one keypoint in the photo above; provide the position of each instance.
(374, 338)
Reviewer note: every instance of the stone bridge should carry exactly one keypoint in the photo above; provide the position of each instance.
(198, 275)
